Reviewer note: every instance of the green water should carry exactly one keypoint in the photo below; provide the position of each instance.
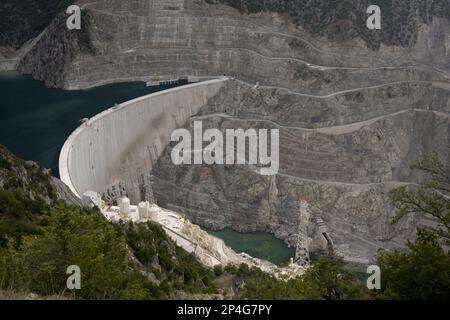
(36, 120)
(261, 245)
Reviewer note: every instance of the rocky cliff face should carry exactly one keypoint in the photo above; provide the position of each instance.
(150, 39)
(29, 179)
(341, 20)
(338, 156)
(23, 20)
(57, 48)
(354, 107)
(21, 24)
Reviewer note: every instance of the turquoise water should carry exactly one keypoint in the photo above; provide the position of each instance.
(261, 245)
(36, 120)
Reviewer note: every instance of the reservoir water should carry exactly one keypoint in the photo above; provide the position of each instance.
(36, 120)
(261, 245)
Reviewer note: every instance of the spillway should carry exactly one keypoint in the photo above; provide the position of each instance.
(118, 146)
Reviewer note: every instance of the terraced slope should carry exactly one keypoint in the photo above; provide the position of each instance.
(170, 38)
(340, 154)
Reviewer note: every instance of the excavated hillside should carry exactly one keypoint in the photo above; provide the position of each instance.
(142, 40)
(23, 20)
(354, 107)
(340, 154)
(21, 23)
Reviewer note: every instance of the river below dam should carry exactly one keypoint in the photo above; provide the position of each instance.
(35, 121)
(257, 244)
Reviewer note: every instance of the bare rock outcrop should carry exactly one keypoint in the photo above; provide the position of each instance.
(344, 171)
(143, 40)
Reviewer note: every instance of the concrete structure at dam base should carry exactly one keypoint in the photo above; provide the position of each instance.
(210, 250)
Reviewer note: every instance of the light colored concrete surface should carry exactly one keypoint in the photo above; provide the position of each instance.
(126, 140)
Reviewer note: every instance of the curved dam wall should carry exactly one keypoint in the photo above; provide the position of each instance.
(120, 145)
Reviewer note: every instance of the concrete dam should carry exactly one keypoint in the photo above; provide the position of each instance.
(110, 152)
